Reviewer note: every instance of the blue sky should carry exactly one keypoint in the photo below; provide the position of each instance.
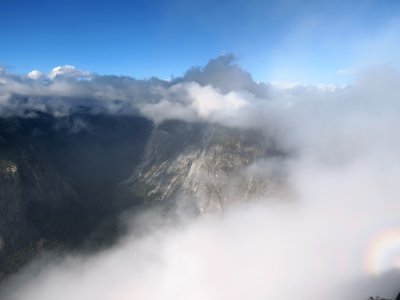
(287, 40)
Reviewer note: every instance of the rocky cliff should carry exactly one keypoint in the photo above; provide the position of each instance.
(65, 180)
(204, 167)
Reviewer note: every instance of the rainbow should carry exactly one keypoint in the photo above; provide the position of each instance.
(383, 252)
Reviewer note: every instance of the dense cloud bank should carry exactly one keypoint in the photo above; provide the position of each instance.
(65, 90)
(219, 92)
(336, 235)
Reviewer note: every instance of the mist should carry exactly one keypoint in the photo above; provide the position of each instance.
(335, 233)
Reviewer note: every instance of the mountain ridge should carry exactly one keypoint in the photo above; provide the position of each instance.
(64, 180)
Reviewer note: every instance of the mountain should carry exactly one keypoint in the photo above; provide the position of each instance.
(58, 178)
(202, 166)
(65, 180)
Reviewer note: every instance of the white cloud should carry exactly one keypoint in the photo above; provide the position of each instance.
(207, 101)
(192, 102)
(68, 71)
(34, 74)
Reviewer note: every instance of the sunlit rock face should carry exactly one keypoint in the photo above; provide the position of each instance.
(205, 167)
(8, 168)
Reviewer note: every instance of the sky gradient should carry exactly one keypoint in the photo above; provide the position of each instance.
(289, 40)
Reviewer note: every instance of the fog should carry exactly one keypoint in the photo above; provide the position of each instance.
(334, 235)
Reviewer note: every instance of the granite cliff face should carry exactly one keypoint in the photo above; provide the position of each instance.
(205, 167)
(65, 180)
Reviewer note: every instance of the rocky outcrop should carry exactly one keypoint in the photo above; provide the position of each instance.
(206, 167)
